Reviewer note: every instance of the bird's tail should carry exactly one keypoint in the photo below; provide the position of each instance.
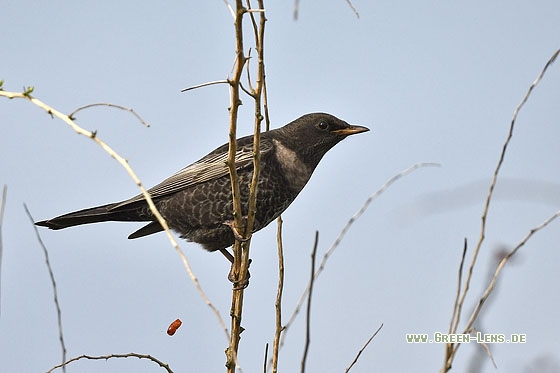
(110, 212)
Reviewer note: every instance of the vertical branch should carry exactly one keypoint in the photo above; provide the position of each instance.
(53, 282)
(494, 181)
(237, 224)
(239, 273)
(265, 357)
(235, 102)
(240, 268)
(260, 90)
(452, 349)
(454, 321)
(278, 303)
(256, 93)
(308, 314)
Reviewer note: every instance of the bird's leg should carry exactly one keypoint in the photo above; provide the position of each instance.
(227, 255)
(238, 285)
(231, 276)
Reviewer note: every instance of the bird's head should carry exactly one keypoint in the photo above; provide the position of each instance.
(313, 135)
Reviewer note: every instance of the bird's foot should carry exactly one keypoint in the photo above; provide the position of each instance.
(241, 285)
(234, 277)
(238, 236)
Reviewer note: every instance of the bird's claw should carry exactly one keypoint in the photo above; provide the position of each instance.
(233, 278)
(241, 285)
(238, 236)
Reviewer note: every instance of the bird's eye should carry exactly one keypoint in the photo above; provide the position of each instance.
(323, 125)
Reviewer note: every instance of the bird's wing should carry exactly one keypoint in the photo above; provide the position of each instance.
(212, 166)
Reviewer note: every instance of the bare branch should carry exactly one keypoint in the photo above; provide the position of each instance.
(232, 12)
(308, 313)
(495, 179)
(450, 352)
(363, 348)
(453, 323)
(488, 352)
(205, 85)
(503, 262)
(114, 356)
(278, 304)
(124, 163)
(349, 2)
(239, 269)
(73, 114)
(256, 94)
(53, 283)
(265, 357)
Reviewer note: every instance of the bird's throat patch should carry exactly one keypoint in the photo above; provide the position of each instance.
(294, 169)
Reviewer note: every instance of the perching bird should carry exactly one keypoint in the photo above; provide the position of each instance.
(197, 202)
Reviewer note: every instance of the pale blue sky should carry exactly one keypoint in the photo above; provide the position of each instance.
(435, 81)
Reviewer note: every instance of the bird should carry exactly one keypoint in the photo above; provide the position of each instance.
(197, 202)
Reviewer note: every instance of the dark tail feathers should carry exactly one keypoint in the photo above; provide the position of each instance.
(95, 215)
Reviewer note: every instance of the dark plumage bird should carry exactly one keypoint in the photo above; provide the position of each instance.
(197, 202)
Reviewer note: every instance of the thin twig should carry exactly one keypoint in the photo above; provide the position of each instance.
(231, 11)
(265, 358)
(53, 283)
(124, 163)
(256, 93)
(73, 114)
(308, 313)
(278, 304)
(205, 85)
(114, 356)
(453, 322)
(363, 348)
(265, 107)
(249, 91)
(494, 180)
(487, 349)
(345, 230)
(503, 262)
(349, 2)
(450, 353)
